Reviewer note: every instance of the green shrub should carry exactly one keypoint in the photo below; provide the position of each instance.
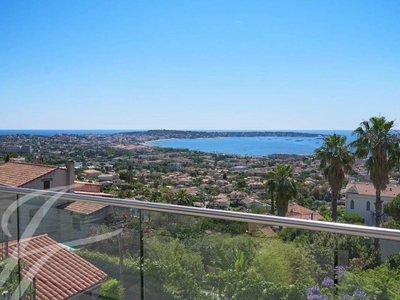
(353, 218)
(111, 290)
(393, 208)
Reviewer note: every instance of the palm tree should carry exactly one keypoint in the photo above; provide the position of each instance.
(336, 161)
(182, 197)
(271, 190)
(377, 142)
(282, 183)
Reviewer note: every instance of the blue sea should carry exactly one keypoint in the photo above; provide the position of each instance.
(254, 146)
(251, 146)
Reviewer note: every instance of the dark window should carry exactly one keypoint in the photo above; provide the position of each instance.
(46, 184)
(76, 223)
(368, 206)
(352, 204)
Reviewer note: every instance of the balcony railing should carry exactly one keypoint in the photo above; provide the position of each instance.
(65, 246)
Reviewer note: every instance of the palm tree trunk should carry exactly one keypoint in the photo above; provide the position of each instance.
(272, 204)
(378, 208)
(334, 205)
(282, 207)
(378, 219)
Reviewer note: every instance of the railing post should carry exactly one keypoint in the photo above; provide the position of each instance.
(121, 260)
(18, 253)
(34, 288)
(141, 262)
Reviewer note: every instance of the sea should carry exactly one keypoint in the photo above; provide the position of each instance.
(246, 146)
(255, 146)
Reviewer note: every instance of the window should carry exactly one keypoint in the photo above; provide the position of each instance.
(46, 184)
(352, 204)
(368, 206)
(76, 223)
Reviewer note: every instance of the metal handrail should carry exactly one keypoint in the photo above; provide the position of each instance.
(340, 228)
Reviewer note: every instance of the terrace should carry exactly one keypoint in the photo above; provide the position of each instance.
(162, 251)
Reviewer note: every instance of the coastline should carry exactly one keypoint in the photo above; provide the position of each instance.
(242, 146)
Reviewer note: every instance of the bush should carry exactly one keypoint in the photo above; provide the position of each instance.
(393, 208)
(111, 290)
(225, 226)
(353, 218)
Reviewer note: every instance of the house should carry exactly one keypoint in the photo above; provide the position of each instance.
(58, 273)
(296, 211)
(238, 195)
(36, 176)
(360, 199)
(250, 203)
(222, 201)
(91, 174)
(174, 165)
(63, 220)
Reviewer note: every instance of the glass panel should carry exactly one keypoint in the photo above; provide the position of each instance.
(370, 268)
(79, 248)
(204, 258)
(8, 244)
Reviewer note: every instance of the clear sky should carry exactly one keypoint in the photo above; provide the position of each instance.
(198, 64)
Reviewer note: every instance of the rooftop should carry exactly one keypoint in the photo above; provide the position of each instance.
(59, 273)
(300, 212)
(85, 208)
(17, 174)
(369, 189)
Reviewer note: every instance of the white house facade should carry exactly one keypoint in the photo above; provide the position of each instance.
(360, 199)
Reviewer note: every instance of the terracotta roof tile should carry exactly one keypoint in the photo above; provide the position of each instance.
(59, 272)
(17, 174)
(368, 189)
(85, 208)
(296, 211)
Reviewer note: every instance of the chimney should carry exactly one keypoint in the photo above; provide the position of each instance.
(71, 175)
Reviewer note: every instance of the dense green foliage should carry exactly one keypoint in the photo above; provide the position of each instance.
(393, 208)
(353, 218)
(111, 290)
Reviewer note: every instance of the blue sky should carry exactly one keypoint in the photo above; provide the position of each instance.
(198, 64)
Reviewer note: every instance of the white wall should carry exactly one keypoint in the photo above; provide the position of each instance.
(58, 178)
(360, 206)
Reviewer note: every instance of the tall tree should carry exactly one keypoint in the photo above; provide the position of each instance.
(336, 161)
(282, 183)
(182, 197)
(130, 173)
(377, 142)
(271, 190)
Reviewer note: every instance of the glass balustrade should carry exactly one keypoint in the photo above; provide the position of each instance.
(60, 246)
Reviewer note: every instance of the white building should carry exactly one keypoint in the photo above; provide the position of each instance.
(360, 199)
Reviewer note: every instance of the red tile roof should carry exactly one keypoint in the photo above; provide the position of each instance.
(85, 208)
(368, 189)
(296, 211)
(18, 174)
(59, 273)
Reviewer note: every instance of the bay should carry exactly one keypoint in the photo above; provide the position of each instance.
(254, 146)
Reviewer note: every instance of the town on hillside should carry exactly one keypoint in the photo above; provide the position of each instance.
(147, 253)
(123, 166)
